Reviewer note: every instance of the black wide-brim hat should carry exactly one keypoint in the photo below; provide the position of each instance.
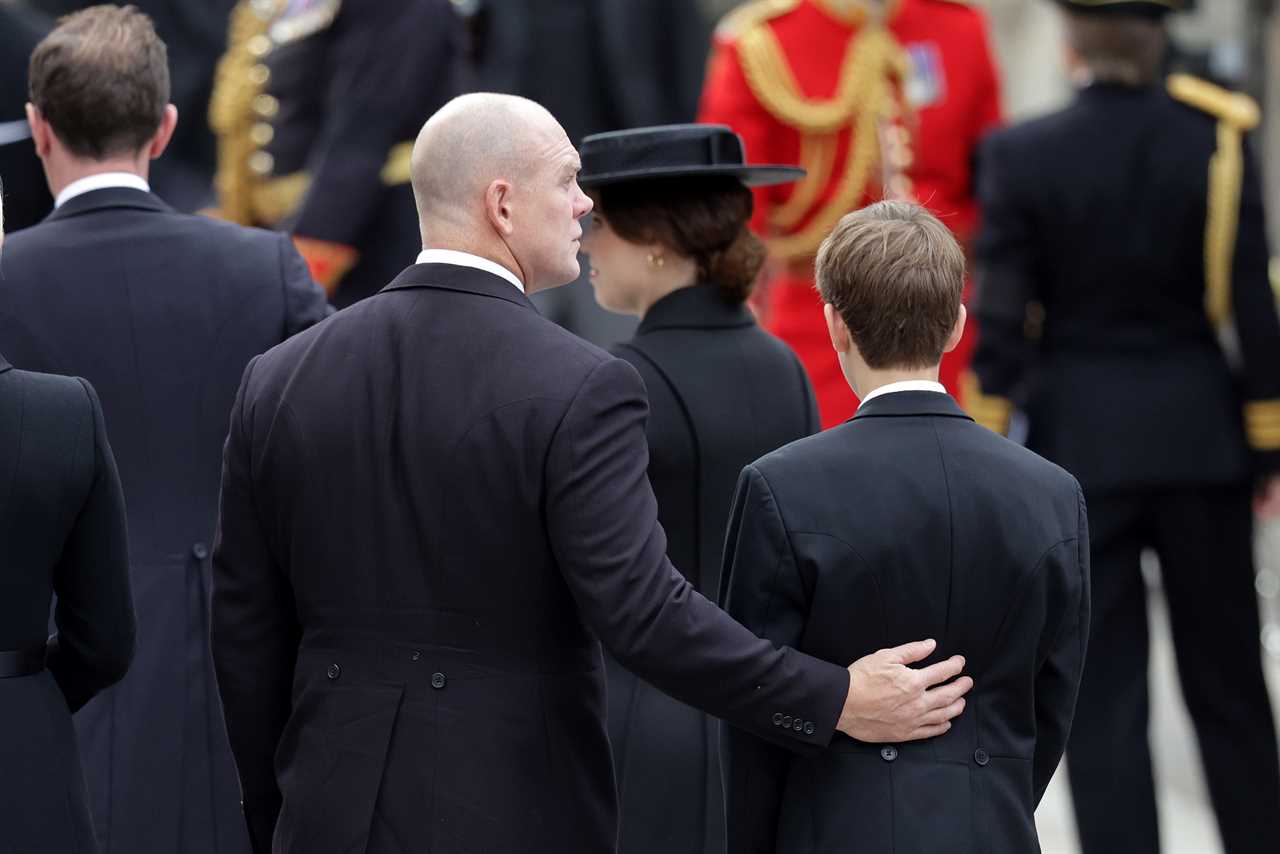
(1142, 8)
(673, 151)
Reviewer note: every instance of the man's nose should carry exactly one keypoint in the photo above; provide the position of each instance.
(584, 205)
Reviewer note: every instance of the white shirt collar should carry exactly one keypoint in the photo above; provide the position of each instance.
(101, 181)
(905, 385)
(466, 259)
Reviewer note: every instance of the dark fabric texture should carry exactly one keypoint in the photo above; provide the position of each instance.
(1203, 537)
(907, 522)
(62, 531)
(1097, 214)
(433, 505)
(722, 392)
(160, 311)
(26, 195)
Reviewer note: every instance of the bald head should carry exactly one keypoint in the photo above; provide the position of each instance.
(469, 143)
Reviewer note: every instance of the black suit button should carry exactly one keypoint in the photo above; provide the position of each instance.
(981, 756)
(200, 551)
(438, 680)
(808, 728)
(334, 671)
(888, 754)
(798, 725)
(777, 718)
(786, 721)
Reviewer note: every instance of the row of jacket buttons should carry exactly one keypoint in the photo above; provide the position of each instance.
(889, 753)
(796, 724)
(438, 680)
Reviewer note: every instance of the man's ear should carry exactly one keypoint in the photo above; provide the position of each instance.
(957, 331)
(41, 131)
(497, 206)
(164, 133)
(841, 340)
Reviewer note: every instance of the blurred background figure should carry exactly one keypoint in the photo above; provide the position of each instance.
(668, 243)
(874, 99)
(26, 196)
(160, 311)
(315, 106)
(62, 532)
(1122, 238)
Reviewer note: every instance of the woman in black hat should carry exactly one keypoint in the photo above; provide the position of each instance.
(669, 243)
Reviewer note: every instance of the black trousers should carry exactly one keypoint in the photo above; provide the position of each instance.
(1204, 539)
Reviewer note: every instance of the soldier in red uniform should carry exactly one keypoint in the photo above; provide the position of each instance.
(875, 98)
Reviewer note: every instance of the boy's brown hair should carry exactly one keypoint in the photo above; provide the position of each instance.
(101, 80)
(894, 273)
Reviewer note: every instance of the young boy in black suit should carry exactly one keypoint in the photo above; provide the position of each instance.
(909, 520)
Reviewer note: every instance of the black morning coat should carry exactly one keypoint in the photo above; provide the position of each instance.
(62, 531)
(434, 510)
(911, 521)
(160, 311)
(722, 392)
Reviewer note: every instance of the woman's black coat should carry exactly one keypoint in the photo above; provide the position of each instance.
(722, 392)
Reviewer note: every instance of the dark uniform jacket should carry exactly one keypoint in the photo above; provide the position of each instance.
(160, 311)
(433, 505)
(722, 392)
(62, 530)
(911, 521)
(316, 105)
(1095, 217)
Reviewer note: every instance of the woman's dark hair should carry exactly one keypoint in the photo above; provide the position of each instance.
(702, 218)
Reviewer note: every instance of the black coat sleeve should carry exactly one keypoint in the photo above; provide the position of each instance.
(1006, 285)
(763, 590)
(602, 525)
(389, 67)
(1257, 324)
(95, 638)
(255, 631)
(1062, 650)
(304, 301)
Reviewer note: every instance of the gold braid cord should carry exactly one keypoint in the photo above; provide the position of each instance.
(989, 410)
(231, 114)
(1262, 424)
(1236, 114)
(870, 78)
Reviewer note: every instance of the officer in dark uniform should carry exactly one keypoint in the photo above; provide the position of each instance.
(1125, 309)
(316, 105)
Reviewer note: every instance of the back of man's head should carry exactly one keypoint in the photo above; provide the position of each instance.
(101, 80)
(894, 273)
(1127, 49)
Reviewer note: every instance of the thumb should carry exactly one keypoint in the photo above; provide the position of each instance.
(909, 653)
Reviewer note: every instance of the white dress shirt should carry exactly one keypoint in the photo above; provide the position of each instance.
(466, 259)
(101, 181)
(904, 385)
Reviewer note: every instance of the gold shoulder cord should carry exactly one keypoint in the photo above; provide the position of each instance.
(1236, 114)
(873, 68)
(231, 111)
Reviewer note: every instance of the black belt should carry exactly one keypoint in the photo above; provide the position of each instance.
(21, 662)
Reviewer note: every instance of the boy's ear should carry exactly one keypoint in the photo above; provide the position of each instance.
(841, 340)
(957, 332)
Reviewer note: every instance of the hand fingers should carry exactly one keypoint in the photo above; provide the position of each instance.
(928, 732)
(945, 695)
(943, 671)
(909, 653)
(944, 714)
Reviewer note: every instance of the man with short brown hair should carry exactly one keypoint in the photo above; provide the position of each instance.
(908, 520)
(160, 311)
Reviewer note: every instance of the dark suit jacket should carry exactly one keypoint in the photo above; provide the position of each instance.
(911, 521)
(433, 505)
(722, 392)
(1096, 214)
(62, 530)
(160, 311)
